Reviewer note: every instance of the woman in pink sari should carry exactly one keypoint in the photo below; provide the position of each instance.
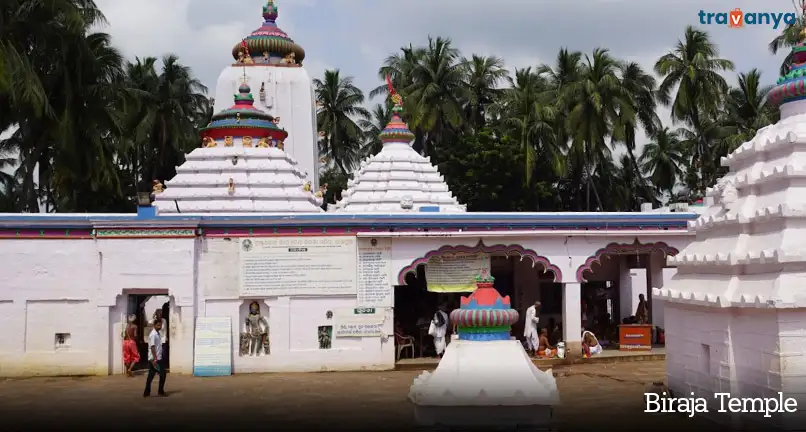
(130, 354)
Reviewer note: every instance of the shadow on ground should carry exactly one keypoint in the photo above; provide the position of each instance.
(592, 396)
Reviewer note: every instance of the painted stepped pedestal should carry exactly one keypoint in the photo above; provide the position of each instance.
(485, 379)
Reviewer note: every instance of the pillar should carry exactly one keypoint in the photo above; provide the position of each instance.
(572, 319)
(625, 295)
(657, 263)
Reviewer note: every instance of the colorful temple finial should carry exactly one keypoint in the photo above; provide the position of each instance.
(396, 130)
(484, 315)
(270, 11)
(792, 85)
(268, 44)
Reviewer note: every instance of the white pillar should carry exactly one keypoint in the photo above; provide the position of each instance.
(657, 262)
(572, 318)
(625, 298)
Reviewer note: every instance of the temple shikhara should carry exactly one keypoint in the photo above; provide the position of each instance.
(734, 311)
(253, 271)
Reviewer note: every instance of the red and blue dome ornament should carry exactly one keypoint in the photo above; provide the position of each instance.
(484, 315)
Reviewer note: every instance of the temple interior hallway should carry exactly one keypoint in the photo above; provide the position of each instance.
(598, 395)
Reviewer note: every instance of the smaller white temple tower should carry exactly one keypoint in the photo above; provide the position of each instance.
(397, 179)
(735, 312)
(241, 168)
(272, 62)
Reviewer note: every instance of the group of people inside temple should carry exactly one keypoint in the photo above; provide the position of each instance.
(541, 339)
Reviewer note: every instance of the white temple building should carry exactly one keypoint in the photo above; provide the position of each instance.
(735, 311)
(272, 62)
(397, 178)
(238, 238)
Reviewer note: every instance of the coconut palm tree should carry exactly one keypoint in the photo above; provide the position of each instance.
(747, 109)
(482, 76)
(339, 110)
(641, 88)
(529, 117)
(437, 94)
(693, 68)
(663, 160)
(596, 100)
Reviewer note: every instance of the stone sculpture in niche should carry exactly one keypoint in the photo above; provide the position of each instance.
(325, 336)
(247, 141)
(263, 143)
(228, 141)
(255, 338)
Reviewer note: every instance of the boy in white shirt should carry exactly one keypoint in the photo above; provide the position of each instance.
(156, 365)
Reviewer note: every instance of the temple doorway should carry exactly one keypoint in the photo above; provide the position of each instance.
(145, 307)
(414, 308)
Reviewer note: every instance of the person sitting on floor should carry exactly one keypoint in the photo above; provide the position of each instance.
(544, 348)
(590, 345)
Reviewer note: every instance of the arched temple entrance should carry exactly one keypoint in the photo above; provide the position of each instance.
(520, 273)
(612, 279)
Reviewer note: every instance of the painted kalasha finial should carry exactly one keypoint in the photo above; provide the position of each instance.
(270, 10)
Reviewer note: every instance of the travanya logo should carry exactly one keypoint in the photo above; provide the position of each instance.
(737, 19)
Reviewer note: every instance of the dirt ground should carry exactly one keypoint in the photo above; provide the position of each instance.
(592, 396)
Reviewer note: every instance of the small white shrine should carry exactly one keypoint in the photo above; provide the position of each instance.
(397, 178)
(735, 312)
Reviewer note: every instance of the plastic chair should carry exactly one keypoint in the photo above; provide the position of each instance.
(404, 342)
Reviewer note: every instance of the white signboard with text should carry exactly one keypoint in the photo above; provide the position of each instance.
(375, 273)
(359, 322)
(212, 351)
(289, 266)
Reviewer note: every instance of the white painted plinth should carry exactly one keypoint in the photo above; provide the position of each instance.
(478, 384)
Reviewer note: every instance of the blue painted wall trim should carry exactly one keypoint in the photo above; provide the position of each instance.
(414, 219)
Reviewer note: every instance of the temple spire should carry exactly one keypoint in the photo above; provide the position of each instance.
(396, 131)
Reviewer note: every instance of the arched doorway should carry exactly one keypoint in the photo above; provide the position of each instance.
(613, 278)
(517, 272)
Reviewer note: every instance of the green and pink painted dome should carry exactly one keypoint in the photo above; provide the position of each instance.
(484, 315)
(792, 86)
(244, 119)
(396, 130)
(269, 38)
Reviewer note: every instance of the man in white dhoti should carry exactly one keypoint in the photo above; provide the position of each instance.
(530, 327)
(438, 329)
